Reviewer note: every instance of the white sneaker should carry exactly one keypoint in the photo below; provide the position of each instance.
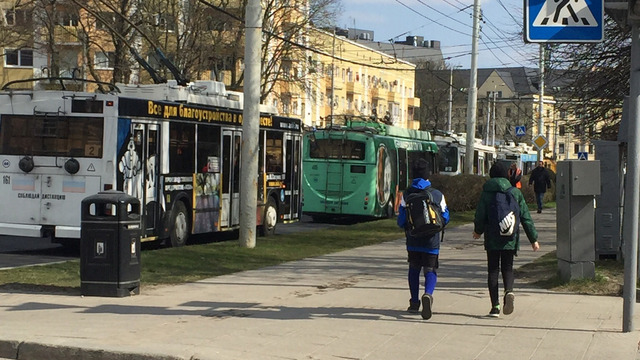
(508, 303)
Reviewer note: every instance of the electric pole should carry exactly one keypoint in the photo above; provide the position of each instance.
(472, 101)
(250, 125)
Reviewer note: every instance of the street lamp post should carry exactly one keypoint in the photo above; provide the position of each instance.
(450, 96)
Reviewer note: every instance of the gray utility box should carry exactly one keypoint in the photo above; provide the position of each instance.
(609, 202)
(577, 182)
(110, 245)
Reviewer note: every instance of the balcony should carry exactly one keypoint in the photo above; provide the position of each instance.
(354, 87)
(393, 97)
(377, 94)
(338, 83)
(67, 35)
(413, 102)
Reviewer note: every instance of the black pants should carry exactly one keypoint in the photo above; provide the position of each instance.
(499, 260)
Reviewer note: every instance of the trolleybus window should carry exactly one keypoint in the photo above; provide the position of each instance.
(181, 149)
(448, 158)
(340, 149)
(208, 148)
(51, 135)
(274, 152)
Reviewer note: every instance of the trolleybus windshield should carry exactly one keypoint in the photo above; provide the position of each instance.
(337, 149)
(51, 135)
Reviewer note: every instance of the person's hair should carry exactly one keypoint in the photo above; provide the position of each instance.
(498, 170)
(420, 169)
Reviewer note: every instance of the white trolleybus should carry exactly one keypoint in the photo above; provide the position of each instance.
(175, 148)
(452, 155)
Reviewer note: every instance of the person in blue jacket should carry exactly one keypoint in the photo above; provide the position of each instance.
(422, 251)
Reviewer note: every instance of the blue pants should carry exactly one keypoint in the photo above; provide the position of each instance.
(539, 198)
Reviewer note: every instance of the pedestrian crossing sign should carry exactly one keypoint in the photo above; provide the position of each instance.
(564, 21)
(583, 155)
(521, 131)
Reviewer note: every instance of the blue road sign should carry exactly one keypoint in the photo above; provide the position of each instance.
(564, 21)
(583, 155)
(521, 130)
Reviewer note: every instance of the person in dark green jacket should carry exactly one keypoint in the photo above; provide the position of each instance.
(500, 253)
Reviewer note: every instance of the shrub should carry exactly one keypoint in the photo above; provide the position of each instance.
(463, 191)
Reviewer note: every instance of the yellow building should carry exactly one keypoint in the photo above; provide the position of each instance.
(340, 76)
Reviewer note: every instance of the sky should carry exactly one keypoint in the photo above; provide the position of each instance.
(450, 22)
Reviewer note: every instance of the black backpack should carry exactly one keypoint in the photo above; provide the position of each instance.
(504, 215)
(423, 215)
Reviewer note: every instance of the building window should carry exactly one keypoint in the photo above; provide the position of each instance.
(561, 130)
(561, 148)
(105, 18)
(104, 60)
(590, 148)
(576, 148)
(10, 17)
(67, 19)
(18, 17)
(22, 57)
(164, 22)
(507, 112)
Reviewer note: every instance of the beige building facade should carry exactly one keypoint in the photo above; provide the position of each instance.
(344, 77)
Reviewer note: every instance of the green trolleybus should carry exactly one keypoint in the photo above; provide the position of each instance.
(359, 167)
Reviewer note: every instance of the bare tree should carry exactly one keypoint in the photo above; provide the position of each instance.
(591, 80)
(432, 87)
(287, 26)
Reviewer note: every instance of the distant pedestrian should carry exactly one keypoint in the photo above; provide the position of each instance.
(501, 234)
(541, 182)
(515, 175)
(422, 250)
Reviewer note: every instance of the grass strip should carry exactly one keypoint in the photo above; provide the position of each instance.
(197, 262)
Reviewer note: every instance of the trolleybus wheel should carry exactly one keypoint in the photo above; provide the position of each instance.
(268, 227)
(180, 225)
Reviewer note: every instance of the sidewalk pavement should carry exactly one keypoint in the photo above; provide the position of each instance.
(347, 305)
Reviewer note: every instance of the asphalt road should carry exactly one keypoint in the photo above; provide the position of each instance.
(18, 251)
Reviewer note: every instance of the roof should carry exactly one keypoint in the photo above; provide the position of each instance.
(521, 80)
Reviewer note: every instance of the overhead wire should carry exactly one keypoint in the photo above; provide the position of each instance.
(428, 18)
(383, 66)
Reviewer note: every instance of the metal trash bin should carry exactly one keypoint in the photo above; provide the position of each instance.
(110, 245)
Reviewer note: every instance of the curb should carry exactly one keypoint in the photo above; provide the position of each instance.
(16, 350)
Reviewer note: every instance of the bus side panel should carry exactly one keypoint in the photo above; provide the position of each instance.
(207, 203)
(387, 176)
(124, 136)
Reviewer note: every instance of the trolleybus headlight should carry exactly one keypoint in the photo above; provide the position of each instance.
(72, 166)
(26, 164)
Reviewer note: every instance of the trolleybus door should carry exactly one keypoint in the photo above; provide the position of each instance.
(230, 209)
(292, 177)
(146, 140)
